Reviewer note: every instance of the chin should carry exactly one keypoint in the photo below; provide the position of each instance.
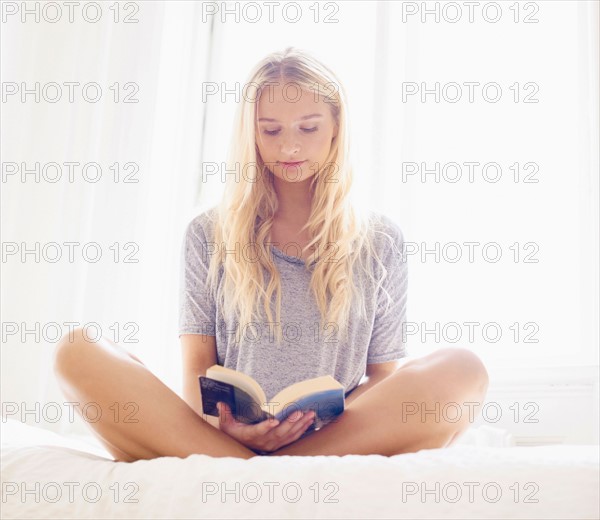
(294, 177)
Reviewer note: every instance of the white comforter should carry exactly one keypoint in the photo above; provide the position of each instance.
(45, 475)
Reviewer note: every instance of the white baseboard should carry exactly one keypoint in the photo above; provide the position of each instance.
(545, 406)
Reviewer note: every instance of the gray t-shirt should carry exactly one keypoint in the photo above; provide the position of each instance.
(306, 351)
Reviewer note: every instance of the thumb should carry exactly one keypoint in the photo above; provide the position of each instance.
(267, 425)
(225, 417)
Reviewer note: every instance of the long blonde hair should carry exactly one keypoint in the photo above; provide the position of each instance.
(244, 215)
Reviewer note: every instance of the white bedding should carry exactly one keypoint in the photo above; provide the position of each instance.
(45, 475)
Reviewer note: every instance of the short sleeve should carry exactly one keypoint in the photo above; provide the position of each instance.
(387, 339)
(197, 309)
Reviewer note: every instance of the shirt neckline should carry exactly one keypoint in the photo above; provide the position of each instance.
(293, 259)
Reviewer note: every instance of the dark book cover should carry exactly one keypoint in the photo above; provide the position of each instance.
(242, 406)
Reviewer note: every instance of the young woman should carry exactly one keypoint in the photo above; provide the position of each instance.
(289, 236)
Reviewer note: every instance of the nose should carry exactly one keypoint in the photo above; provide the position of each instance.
(289, 146)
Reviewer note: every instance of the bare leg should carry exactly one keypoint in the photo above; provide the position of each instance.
(159, 423)
(391, 417)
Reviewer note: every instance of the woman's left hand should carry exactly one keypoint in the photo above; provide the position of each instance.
(268, 435)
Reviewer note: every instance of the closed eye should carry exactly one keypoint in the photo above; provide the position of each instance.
(306, 130)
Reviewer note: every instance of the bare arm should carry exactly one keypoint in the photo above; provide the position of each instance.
(375, 373)
(199, 352)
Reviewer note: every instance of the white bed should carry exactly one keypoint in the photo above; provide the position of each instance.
(45, 475)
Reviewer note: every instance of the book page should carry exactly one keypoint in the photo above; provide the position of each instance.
(295, 392)
(239, 379)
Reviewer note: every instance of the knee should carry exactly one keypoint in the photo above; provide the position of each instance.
(72, 354)
(460, 372)
(456, 383)
(453, 375)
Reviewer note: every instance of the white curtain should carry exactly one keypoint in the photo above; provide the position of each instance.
(533, 197)
(131, 291)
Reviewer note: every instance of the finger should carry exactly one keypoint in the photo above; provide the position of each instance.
(266, 426)
(296, 416)
(293, 421)
(302, 425)
(300, 432)
(225, 416)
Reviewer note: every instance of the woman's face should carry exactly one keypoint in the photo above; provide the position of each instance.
(293, 127)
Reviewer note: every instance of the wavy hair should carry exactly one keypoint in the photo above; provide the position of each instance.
(338, 221)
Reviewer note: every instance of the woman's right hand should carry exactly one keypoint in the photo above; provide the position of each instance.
(268, 435)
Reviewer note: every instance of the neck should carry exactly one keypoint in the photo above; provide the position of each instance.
(294, 199)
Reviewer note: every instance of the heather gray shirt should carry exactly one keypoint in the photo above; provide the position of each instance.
(306, 351)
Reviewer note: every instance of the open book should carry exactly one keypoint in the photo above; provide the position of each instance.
(248, 402)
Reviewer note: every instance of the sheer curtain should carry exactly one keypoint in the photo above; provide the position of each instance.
(498, 199)
(515, 176)
(134, 204)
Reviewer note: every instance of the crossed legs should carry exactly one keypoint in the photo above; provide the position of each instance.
(426, 403)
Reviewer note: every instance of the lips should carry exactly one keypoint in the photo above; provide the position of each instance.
(289, 164)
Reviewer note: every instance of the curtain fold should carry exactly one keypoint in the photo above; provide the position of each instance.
(146, 155)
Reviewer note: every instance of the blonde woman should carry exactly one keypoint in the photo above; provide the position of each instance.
(287, 278)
